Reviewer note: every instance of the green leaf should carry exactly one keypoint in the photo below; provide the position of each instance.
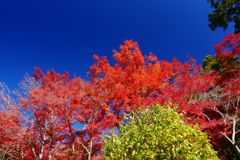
(133, 152)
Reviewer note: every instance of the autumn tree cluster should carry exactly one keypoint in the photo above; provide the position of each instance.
(55, 117)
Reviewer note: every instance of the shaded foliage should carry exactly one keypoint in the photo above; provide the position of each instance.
(226, 11)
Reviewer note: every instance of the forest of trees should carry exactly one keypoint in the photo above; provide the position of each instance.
(119, 111)
(39, 121)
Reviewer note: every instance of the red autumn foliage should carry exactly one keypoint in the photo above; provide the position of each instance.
(44, 124)
(228, 53)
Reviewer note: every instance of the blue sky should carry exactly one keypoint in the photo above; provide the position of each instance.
(64, 35)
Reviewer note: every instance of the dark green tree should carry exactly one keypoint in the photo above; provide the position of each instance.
(225, 11)
(211, 63)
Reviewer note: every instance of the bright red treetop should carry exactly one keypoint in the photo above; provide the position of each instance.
(58, 104)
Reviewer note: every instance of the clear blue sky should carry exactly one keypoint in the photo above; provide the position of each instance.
(64, 34)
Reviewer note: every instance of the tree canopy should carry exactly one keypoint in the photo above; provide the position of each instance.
(158, 133)
(40, 122)
(226, 11)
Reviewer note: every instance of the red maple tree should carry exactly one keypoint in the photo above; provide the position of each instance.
(43, 124)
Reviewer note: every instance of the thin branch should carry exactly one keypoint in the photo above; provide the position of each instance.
(9, 153)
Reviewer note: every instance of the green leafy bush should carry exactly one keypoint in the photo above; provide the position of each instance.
(158, 133)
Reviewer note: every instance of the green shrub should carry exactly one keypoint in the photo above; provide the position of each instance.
(158, 133)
